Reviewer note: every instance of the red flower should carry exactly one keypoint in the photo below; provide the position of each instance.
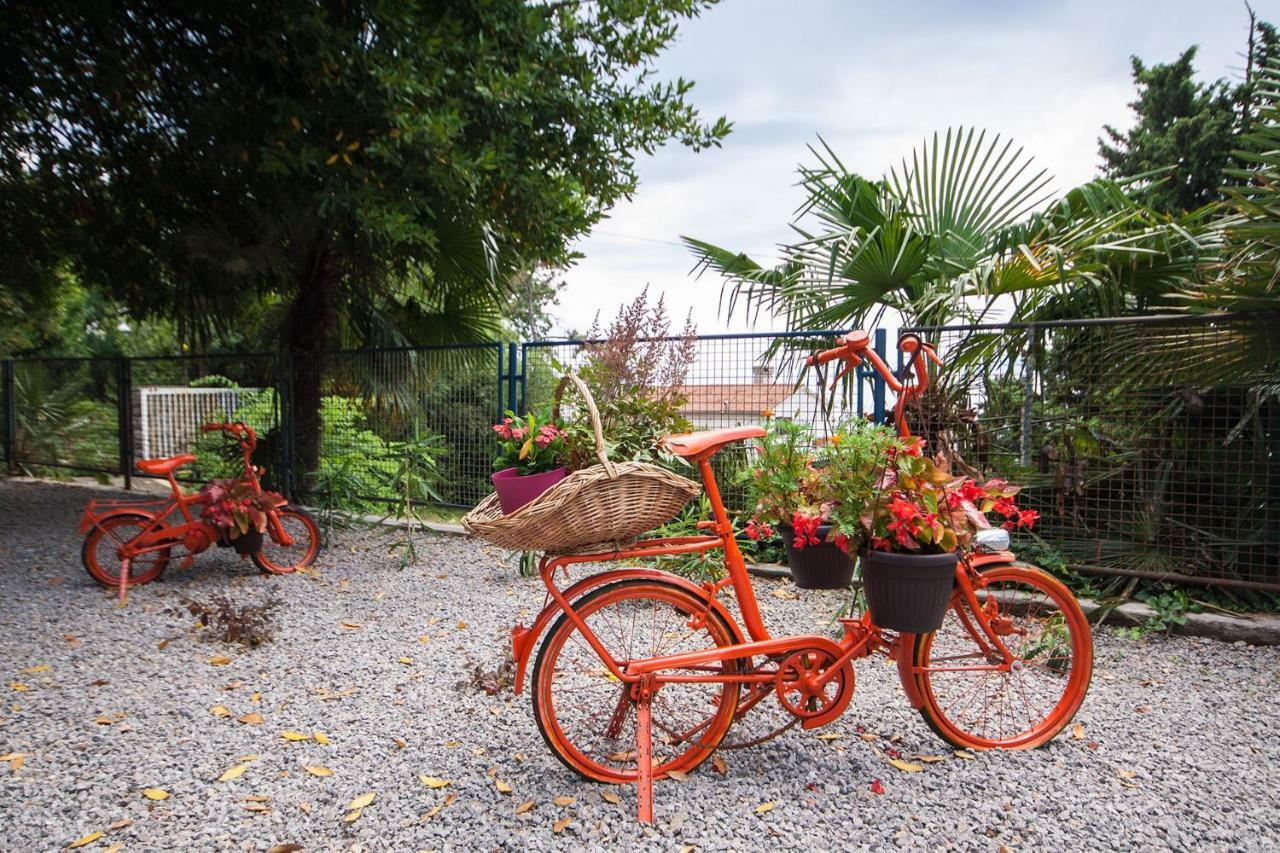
(1028, 517)
(842, 542)
(1005, 507)
(915, 447)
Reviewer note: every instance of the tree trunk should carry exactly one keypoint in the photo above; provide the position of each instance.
(310, 331)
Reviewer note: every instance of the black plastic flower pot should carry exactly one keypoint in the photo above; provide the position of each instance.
(908, 592)
(821, 566)
(248, 543)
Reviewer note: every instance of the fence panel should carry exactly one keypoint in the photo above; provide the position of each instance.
(380, 409)
(64, 415)
(731, 380)
(1150, 448)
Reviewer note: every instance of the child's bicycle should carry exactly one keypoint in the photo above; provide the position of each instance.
(130, 543)
(643, 672)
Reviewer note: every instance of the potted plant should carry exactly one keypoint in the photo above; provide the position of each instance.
(238, 512)
(529, 459)
(815, 494)
(919, 520)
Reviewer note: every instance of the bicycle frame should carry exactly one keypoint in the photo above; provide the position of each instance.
(192, 532)
(861, 637)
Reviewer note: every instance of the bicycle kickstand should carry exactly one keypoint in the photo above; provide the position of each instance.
(123, 595)
(644, 750)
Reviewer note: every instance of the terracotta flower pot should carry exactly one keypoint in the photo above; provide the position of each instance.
(908, 593)
(516, 490)
(821, 566)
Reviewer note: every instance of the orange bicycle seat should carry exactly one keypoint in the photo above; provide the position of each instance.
(161, 467)
(703, 444)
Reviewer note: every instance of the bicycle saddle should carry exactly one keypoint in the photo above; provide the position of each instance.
(168, 465)
(703, 444)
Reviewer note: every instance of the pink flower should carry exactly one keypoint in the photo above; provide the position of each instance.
(518, 433)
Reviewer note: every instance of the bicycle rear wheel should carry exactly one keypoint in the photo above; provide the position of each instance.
(101, 555)
(587, 716)
(1027, 704)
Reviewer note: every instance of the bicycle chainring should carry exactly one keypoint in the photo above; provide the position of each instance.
(800, 686)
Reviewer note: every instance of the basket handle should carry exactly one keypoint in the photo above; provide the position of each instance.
(572, 376)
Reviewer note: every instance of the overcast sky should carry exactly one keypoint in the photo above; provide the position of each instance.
(873, 79)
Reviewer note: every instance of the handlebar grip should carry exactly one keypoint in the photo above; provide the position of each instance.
(824, 356)
(211, 427)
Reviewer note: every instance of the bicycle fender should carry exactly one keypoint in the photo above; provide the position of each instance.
(523, 639)
(907, 642)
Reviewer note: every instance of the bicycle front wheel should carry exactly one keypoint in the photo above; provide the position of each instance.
(277, 559)
(973, 705)
(587, 716)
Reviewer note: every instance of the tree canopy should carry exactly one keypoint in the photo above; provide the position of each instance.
(353, 158)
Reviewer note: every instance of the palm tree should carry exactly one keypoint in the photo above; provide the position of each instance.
(964, 227)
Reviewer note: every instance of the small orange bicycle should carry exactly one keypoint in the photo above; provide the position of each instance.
(130, 543)
(643, 672)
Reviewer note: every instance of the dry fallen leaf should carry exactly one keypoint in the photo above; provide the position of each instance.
(906, 766)
(317, 770)
(155, 793)
(503, 787)
(462, 626)
(830, 736)
(349, 625)
(114, 848)
(353, 816)
(930, 759)
(524, 807)
(765, 807)
(32, 670)
(362, 801)
(253, 718)
(256, 807)
(103, 721)
(219, 660)
(400, 742)
(433, 782)
(306, 807)
(15, 759)
(287, 848)
(1077, 731)
(220, 711)
(257, 798)
(295, 736)
(718, 763)
(18, 686)
(678, 775)
(321, 738)
(1128, 774)
(965, 754)
(233, 772)
(120, 824)
(406, 660)
(563, 801)
(559, 825)
(88, 839)
(435, 810)
(611, 797)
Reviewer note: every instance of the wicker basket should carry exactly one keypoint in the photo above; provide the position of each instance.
(599, 508)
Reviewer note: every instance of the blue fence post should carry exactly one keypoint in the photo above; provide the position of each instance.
(511, 377)
(877, 381)
(10, 418)
(524, 379)
(500, 378)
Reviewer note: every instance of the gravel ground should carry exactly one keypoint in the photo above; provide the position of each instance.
(103, 703)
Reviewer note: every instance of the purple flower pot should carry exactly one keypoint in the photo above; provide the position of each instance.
(516, 490)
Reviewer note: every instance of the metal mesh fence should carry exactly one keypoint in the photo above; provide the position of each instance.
(1149, 448)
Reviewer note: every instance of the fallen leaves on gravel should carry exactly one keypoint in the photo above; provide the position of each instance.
(563, 801)
(287, 848)
(15, 759)
(433, 782)
(362, 800)
(219, 660)
(1077, 731)
(611, 797)
(220, 711)
(931, 759)
(18, 686)
(503, 787)
(877, 787)
(719, 765)
(965, 754)
(88, 839)
(155, 793)
(678, 775)
(320, 738)
(559, 826)
(295, 736)
(317, 770)
(765, 807)
(32, 670)
(233, 772)
(435, 810)
(524, 807)
(253, 718)
(906, 766)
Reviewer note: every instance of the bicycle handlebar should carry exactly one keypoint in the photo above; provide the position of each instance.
(855, 346)
(243, 433)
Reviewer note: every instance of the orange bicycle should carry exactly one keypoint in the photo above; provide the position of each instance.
(642, 672)
(130, 543)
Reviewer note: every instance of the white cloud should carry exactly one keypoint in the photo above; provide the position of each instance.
(874, 82)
